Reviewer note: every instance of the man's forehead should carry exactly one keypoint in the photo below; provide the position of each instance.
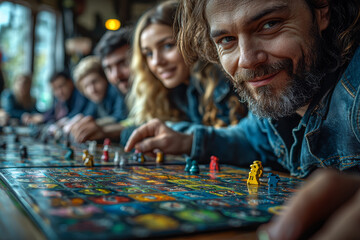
(227, 6)
(120, 54)
(222, 14)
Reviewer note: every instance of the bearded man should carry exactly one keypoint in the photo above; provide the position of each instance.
(297, 65)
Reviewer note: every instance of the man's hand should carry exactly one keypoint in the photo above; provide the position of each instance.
(329, 198)
(86, 129)
(156, 135)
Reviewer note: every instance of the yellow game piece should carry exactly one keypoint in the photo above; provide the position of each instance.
(89, 161)
(261, 169)
(142, 158)
(254, 174)
(85, 154)
(159, 157)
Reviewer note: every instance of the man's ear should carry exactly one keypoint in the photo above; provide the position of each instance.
(322, 15)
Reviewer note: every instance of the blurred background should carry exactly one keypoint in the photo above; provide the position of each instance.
(44, 36)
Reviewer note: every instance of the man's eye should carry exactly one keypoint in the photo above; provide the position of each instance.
(225, 40)
(270, 24)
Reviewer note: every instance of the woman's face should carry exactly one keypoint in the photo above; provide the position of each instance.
(162, 56)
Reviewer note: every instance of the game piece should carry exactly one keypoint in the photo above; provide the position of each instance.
(3, 145)
(85, 154)
(214, 163)
(105, 155)
(254, 174)
(273, 179)
(123, 161)
(89, 161)
(117, 158)
(107, 142)
(261, 169)
(139, 157)
(70, 153)
(194, 167)
(188, 164)
(159, 157)
(23, 152)
(92, 147)
(17, 138)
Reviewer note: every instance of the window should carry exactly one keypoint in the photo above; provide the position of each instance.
(44, 57)
(16, 42)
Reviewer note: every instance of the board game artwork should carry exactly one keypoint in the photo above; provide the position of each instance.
(144, 201)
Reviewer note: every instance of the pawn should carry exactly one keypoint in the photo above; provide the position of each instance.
(107, 142)
(17, 138)
(70, 153)
(23, 152)
(139, 157)
(105, 155)
(188, 164)
(254, 174)
(214, 163)
(117, 158)
(85, 154)
(194, 167)
(89, 161)
(273, 179)
(3, 145)
(159, 157)
(123, 161)
(92, 147)
(261, 169)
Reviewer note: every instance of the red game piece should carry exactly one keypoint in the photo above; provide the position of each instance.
(214, 163)
(107, 141)
(105, 156)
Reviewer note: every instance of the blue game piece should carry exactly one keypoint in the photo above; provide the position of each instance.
(273, 179)
(188, 164)
(194, 167)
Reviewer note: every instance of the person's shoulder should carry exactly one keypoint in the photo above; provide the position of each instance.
(351, 76)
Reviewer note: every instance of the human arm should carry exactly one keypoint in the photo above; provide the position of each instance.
(87, 129)
(329, 198)
(35, 118)
(8, 103)
(156, 135)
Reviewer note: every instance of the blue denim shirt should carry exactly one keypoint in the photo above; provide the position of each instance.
(12, 107)
(187, 99)
(113, 103)
(328, 135)
(74, 105)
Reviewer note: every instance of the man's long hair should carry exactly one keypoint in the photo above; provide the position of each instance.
(342, 37)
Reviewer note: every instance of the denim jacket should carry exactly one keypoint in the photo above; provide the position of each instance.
(12, 107)
(113, 103)
(328, 135)
(187, 99)
(74, 105)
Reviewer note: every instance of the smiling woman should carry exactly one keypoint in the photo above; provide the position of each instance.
(165, 87)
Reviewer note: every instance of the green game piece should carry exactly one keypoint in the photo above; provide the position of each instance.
(194, 167)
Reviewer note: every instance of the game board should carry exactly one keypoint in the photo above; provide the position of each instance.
(52, 154)
(143, 201)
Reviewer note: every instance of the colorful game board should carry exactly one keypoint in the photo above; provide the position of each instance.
(52, 154)
(143, 201)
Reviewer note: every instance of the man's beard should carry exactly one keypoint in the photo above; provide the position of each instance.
(301, 87)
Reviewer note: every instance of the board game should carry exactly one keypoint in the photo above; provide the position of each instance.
(52, 154)
(143, 201)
